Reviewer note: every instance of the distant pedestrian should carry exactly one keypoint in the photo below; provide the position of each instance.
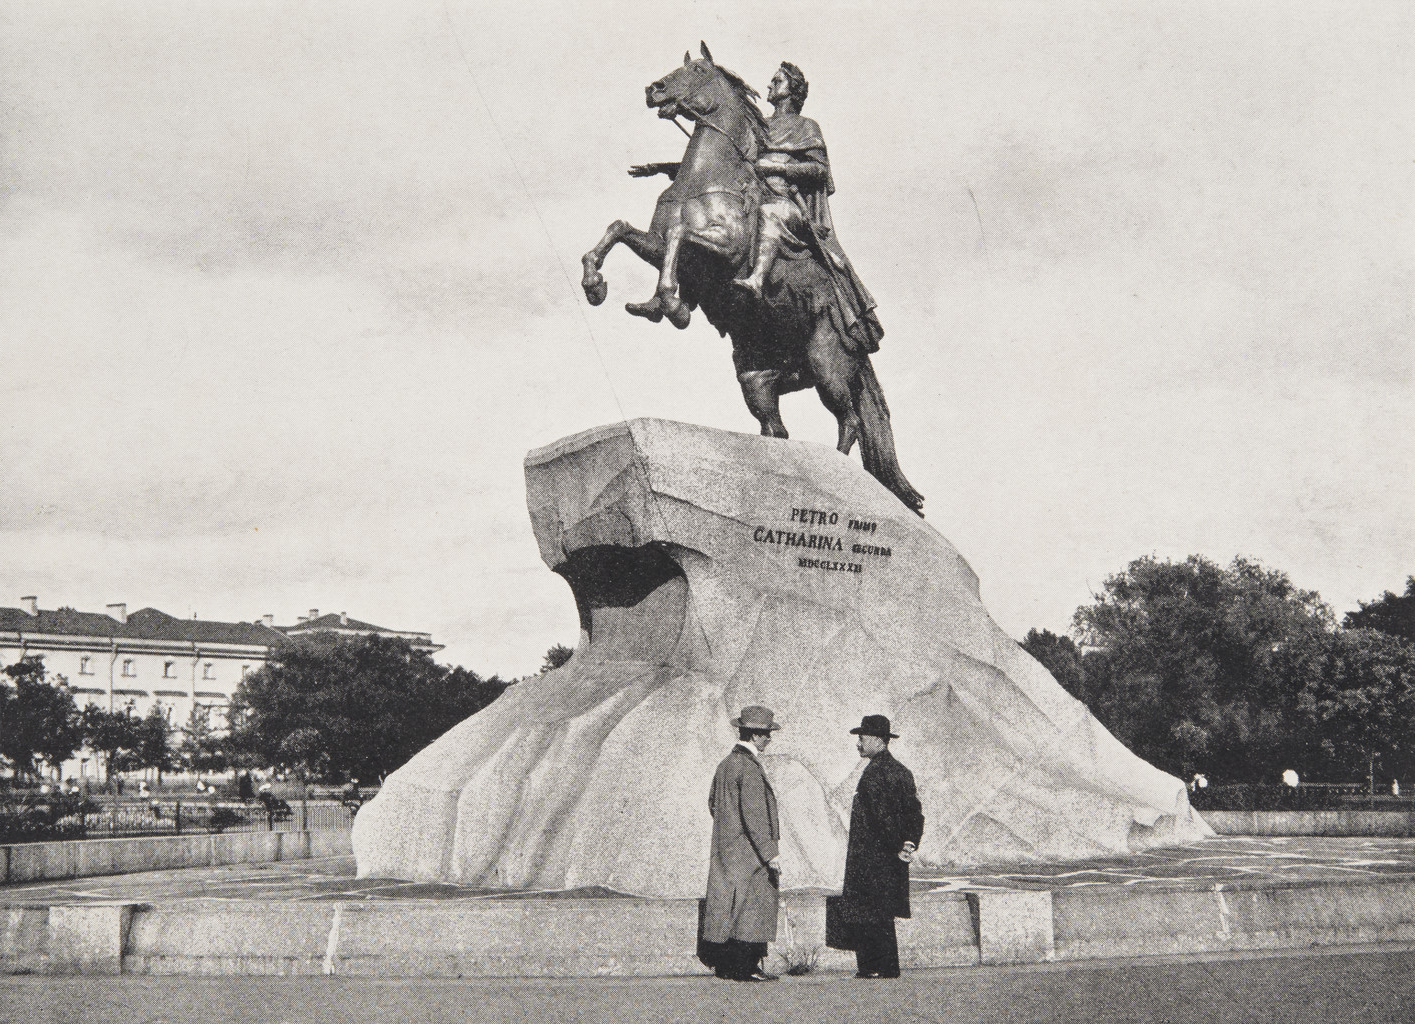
(886, 827)
(744, 872)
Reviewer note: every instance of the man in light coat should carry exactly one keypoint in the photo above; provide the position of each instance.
(744, 873)
(886, 826)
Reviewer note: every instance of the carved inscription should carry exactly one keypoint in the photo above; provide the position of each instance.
(809, 528)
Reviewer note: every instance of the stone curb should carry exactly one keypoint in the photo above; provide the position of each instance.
(84, 858)
(1312, 823)
(582, 938)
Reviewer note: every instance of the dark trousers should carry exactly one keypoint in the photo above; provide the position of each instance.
(733, 958)
(877, 949)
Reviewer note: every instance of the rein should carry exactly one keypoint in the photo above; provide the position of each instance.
(702, 119)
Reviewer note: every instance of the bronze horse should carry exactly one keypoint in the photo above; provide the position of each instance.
(701, 238)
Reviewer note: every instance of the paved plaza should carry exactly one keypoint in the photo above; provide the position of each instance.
(1231, 862)
(1302, 987)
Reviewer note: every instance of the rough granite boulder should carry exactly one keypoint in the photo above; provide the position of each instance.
(714, 570)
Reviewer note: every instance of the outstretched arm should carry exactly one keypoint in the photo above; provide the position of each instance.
(649, 170)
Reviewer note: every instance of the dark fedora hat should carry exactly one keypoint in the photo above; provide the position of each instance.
(756, 718)
(875, 725)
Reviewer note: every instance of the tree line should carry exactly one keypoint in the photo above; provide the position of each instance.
(1230, 671)
(1233, 672)
(322, 707)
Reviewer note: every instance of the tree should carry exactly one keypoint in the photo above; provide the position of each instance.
(38, 719)
(556, 656)
(1196, 666)
(345, 708)
(306, 752)
(114, 735)
(201, 749)
(154, 749)
(1389, 613)
(1061, 657)
(1358, 702)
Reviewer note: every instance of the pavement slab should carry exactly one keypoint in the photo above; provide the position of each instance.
(1230, 862)
(1303, 987)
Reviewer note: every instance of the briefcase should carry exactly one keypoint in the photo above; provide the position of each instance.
(840, 924)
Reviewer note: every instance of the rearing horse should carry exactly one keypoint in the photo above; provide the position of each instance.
(701, 237)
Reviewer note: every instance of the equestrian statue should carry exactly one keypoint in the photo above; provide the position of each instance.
(744, 233)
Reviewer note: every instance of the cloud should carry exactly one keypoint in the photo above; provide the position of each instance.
(288, 292)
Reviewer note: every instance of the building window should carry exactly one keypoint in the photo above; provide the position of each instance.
(85, 666)
(217, 715)
(130, 667)
(207, 671)
(169, 670)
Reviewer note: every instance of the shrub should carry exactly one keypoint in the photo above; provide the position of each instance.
(222, 818)
(798, 959)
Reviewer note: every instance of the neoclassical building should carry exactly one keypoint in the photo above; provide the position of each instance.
(150, 657)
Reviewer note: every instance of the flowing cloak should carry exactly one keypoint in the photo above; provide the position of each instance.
(800, 138)
(741, 893)
(884, 815)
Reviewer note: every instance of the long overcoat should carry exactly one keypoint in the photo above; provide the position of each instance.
(741, 893)
(883, 816)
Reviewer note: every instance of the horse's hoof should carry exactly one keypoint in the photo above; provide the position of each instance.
(650, 311)
(596, 289)
(679, 315)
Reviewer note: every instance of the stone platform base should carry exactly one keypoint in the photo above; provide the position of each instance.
(314, 917)
(713, 571)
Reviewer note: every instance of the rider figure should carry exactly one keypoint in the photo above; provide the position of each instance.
(795, 213)
(794, 219)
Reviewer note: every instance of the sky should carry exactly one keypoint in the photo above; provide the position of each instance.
(287, 291)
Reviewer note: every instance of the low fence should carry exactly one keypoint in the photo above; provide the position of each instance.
(107, 817)
(1313, 796)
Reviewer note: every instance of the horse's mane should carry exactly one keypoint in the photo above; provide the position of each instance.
(747, 96)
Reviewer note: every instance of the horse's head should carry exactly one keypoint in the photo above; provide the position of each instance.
(697, 88)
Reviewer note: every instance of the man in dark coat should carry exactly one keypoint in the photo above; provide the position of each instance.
(886, 826)
(739, 915)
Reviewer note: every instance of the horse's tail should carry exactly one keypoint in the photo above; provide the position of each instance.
(877, 440)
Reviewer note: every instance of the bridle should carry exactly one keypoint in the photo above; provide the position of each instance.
(742, 192)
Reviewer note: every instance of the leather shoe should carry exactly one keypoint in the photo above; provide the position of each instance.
(762, 976)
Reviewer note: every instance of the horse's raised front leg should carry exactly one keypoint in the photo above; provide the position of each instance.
(646, 245)
(667, 294)
(759, 390)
